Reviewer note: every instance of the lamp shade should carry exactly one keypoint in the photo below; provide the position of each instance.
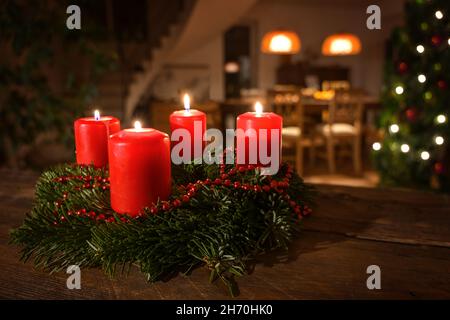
(341, 44)
(280, 42)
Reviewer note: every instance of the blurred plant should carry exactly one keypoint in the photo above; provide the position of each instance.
(47, 72)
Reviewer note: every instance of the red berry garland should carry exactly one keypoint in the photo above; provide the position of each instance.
(231, 178)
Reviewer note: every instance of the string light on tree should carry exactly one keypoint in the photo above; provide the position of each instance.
(394, 128)
(420, 48)
(404, 147)
(441, 118)
(425, 155)
(399, 90)
(376, 146)
(421, 78)
(439, 15)
(439, 140)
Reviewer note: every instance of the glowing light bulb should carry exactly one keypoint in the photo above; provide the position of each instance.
(341, 46)
(376, 146)
(425, 155)
(441, 118)
(258, 108)
(280, 43)
(137, 125)
(439, 140)
(404, 147)
(420, 48)
(97, 115)
(187, 102)
(439, 15)
(448, 41)
(421, 78)
(394, 128)
(399, 90)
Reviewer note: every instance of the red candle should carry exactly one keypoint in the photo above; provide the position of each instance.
(139, 169)
(91, 138)
(194, 122)
(249, 148)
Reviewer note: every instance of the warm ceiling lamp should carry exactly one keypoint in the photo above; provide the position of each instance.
(280, 42)
(341, 45)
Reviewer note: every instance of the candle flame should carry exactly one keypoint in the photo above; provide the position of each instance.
(187, 102)
(258, 108)
(137, 125)
(97, 115)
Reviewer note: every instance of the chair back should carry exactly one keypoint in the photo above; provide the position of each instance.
(286, 102)
(346, 107)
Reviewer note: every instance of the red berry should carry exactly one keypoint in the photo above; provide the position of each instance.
(217, 181)
(224, 176)
(292, 203)
(232, 172)
(207, 181)
(165, 206)
(176, 203)
(154, 210)
(70, 213)
(185, 198)
(123, 219)
(227, 183)
(257, 188)
(266, 188)
(62, 218)
(241, 169)
(101, 217)
(110, 219)
(273, 183)
(92, 214)
(237, 184)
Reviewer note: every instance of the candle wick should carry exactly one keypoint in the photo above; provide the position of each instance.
(97, 115)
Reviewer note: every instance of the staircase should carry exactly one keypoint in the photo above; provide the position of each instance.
(179, 26)
(120, 91)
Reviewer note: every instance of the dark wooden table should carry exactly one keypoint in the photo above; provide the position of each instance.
(405, 233)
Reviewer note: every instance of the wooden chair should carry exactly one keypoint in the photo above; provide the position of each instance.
(287, 103)
(343, 126)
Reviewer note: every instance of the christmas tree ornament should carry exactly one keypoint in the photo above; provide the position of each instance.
(439, 168)
(412, 114)
(402, 67)
(436, 40)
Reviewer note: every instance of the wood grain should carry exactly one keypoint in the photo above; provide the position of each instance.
(406, 233)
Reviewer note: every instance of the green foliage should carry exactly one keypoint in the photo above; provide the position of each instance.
(221, 227)
(416, 110)
(36, 47)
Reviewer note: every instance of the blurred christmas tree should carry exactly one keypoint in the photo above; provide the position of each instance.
(416, 100)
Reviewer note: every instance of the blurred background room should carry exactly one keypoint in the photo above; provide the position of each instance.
(356, 111)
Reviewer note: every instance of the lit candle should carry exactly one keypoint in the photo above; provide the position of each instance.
(139, 168)
(194, 122)
(252, 124)
(91, 138)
